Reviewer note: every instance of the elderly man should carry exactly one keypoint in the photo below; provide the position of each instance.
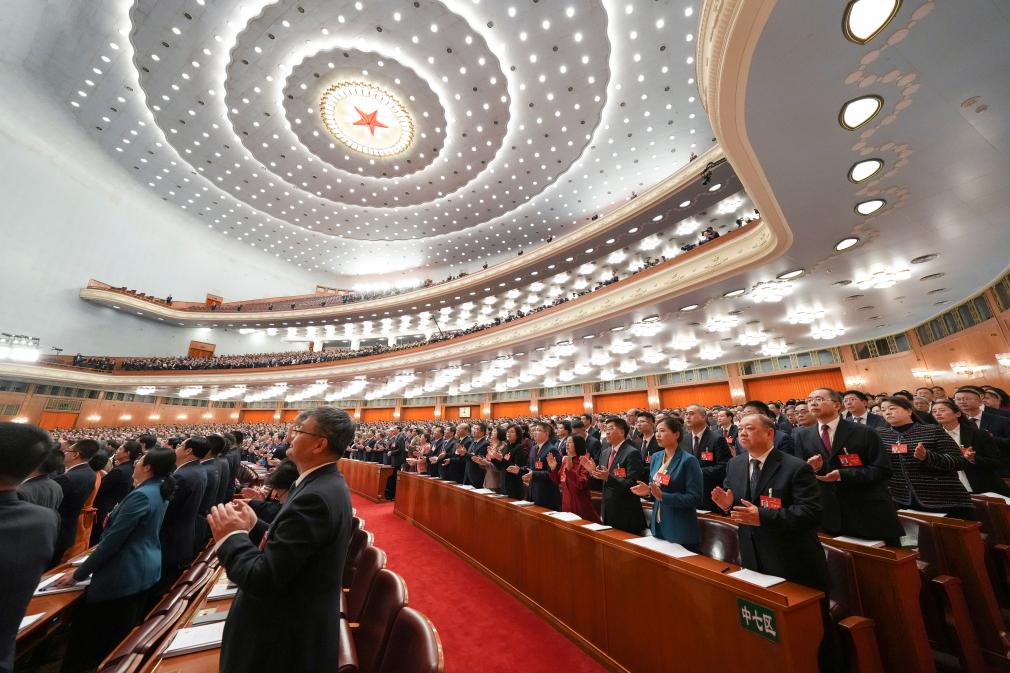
(708, 446)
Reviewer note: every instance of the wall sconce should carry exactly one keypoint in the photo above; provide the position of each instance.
(125, 417)
(20, 419)
(855, 381)
(1003, 359)
(920, 373)
(737, 393)
(154, 417)
(966, 369)
(94, 418)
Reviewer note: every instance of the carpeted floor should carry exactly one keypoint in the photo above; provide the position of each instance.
(483, 628)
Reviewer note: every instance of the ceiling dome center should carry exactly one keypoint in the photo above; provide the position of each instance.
(366, 118)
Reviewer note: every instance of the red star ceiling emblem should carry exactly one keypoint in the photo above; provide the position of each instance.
(369, 120)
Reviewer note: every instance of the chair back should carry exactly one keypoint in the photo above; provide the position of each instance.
(845, 600)
(414, 646)
(387, 597)
(371, 561)
(719, 540)
(360, 539)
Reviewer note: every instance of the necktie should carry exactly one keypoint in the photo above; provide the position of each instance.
(613, 454)
(755, 474)
(697, 442)
(859, 419)
(975, 421)
(826, 438)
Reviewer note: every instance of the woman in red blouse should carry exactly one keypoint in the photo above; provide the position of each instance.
(575, 480)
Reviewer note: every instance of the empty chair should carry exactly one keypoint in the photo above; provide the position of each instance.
(347, 654)
(414, 646)
(178, 593)
(719, 540)
(371, 561)
(387, 597)
(857, 633)
(359, 540)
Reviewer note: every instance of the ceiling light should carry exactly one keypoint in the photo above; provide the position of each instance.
(721, 323)
(676, 364)
(862, 170)
(735, 293)
(750, 338)
(621, 346)
(710, 352)
(770, 291)
(774, 348)
(827, 332)
(646, 328)
(651, 355)
(628, 366)
(858, 111)
(716, 187)
(788, 275)
(865, 19)
(689, 307)
(657, 218)
(870, 207)
(599, 357)
(846, 243)
(805, 316)
(883, 277)
(685, 204)
(684, 342)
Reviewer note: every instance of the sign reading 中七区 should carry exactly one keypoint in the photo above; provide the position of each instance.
(758, 619)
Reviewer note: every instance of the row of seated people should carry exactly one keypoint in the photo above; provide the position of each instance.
(157, 529)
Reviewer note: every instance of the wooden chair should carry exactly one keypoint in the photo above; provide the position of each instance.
(414, 646)
(85, 521)
(855, 631)
(371, 561)
(719, 540)
(387, 597)
(347, 654)
(359, 540)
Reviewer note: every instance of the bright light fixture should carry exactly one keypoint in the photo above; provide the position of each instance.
(863, 170)
(684, 342)
(827, 332)
(710, 352)
(865, 19)
(859, 111)
(846, 243)
(734, 293)
(805, 316)
(870, 207)
(789, 275)
(884, 277)
(770, 291)
(721, 323)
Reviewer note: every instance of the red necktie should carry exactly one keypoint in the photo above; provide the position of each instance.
(263, 541)
(613, 454)
(826, 439)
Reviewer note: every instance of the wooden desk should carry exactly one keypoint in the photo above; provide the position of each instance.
(196, 662)
(366, 479)
(612, 597)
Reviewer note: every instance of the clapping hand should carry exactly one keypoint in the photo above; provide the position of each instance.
(969, 454)
(723, 498)
(833, 475)
(655, 491)
(527, 478)
(64, 582)
(816, 462)
(747, 515)
(920, 451)
(512, 469)
(230, 518)
(552, 462)
(253, 494)
(641, 489)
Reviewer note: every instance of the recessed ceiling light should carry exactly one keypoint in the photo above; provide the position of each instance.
(795, 273)
(922, 259)
(632, 230)
(863, 170)
(685, 204)
(858, 111)
(735, 293)
(657, 218)
(865, 19)
(870, 207)
(716, 187)
(689, 307)
(619, 328)
(842, 283)
(933, 276)
(846, 243)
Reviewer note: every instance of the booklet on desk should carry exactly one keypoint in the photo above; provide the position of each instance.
(222, 591)
(564, 516)
(209, 616)
(44, 586)
(859, 540)
(759, 579)
(195, 639)
(662, 546)
(596, 526)
(521, 503)
(28, 620)
(915, 511)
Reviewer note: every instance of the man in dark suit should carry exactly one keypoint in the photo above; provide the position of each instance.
(632, 419)
(456, 456)
(436, 456)
(28, 531)
(783, 439)
(781, 421)
(210, 494)
(538, 475)
(709, 447)
(593, 445)
(620, 467)
(969, 401)
(727, 428)
(77, 483)
(477, 449)
(590, 425)
(774, 499)
(297, 569)
(852, 469)
(397, 450)
(218, 447)
(856, 410)
(646, 427)
(178, 530)
(115, 485)
(233, 455)
(979, 448)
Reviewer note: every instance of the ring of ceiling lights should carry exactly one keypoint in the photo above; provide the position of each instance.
(501, 124)
(400, 126)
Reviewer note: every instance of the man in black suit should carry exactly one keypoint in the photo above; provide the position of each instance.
(852, 469)
(285, 616)
(593, 445)
(178, 530)
(209, 466)
(233, 455)
(856, 410)
(646, 427)
(538, 475)
(115, 485)
(218, 447)
(77, 483)
(28, 531)
(436, 457)
(783, 439)
(454, 469)
(774, 499)
(728, 428)
(478, 449)
(969, 401)
(632, 419)
(590, 425)
(781, 421)
(708, 446)
(981, 472)
(397, 450)
(620, 467)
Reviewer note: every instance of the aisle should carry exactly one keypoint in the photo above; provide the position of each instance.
(483, 627)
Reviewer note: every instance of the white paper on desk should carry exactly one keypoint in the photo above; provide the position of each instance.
(44, 586)
(521, 503)
(997, 495)
(79, 561)
(483, 491)
(496, 495)
(195, 639)
(915, 511)
(28, 620)
(760, 579)
(468, 487)
(662, 546)
(221, 591)
(859, 540)
(564, 516)
(596, 526)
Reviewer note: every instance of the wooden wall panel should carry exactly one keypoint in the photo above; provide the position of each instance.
(621, 402)
(289, 415)
(376, 414)
(796, 385)
(567, 406)
(417, 413)
(513, 409)
(52, 420)
(707, 394)
(258, 416)
(452, 413)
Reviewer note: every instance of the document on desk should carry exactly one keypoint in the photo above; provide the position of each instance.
(662, 546)
(483, 491)
(997, 495)
(195, 639)
(915, 511)
(220, 591)
(79, 561)
(596, 526)
(759, 579)
(209, 616)
(44, 588)
(467, 487)
(28, 620)
(861, 541)
(521, 503)
(564, 516)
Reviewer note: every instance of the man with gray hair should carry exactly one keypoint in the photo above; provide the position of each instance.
(295, 573)
(708, 446)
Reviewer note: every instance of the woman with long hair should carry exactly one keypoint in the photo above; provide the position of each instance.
(514, 457)
(574, 480)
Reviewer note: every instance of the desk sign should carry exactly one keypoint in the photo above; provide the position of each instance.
(758, 619)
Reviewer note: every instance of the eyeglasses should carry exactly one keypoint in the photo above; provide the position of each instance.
(299, 431)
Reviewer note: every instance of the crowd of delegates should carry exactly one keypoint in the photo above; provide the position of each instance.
(841, 463)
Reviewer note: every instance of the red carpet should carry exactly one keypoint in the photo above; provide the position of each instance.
(482, 627)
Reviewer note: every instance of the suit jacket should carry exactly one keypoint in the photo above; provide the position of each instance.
(648, 448)
(872, 420)
(114, 487)
(713, 467)
(178, 533)
(209, 499)
(29, 540)
(127, 560)
(298, 575)
(784, 442)
(41, 490)
(77, 483)
(674, 517)
(512, 454)
(859, 504)
(474, 473)
(234, 460)
(782, 423)
(983, 474)
(225, 487)
(594, 447)
(398, 449)
(786, 542)
(997, 424)
(730, 435)
(455, 470)
(544, 489)
(934, 481)
(621, 508)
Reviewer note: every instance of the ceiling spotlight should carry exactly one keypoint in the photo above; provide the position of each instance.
(863, 170)
(770, 291)
(827, 332)
(804, 316)
(789, 275)
(685, 204)
(722, 323)
(684, 342)
(870, 207)
(735, 293)
(689, 307)
(858, 111)
(865, 19)
(846, 243)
